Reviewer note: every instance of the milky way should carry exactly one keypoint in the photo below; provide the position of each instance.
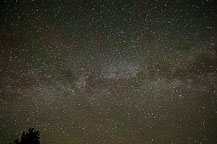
(107, 71)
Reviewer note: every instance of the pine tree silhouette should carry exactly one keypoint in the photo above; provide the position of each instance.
(30, 137)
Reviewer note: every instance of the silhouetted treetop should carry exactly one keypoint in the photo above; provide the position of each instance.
(30, 137)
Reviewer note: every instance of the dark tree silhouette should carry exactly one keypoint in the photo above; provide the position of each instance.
(30, 137)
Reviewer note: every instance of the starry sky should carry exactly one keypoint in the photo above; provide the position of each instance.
(109, 71)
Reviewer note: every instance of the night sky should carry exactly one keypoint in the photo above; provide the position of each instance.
(109, 71)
